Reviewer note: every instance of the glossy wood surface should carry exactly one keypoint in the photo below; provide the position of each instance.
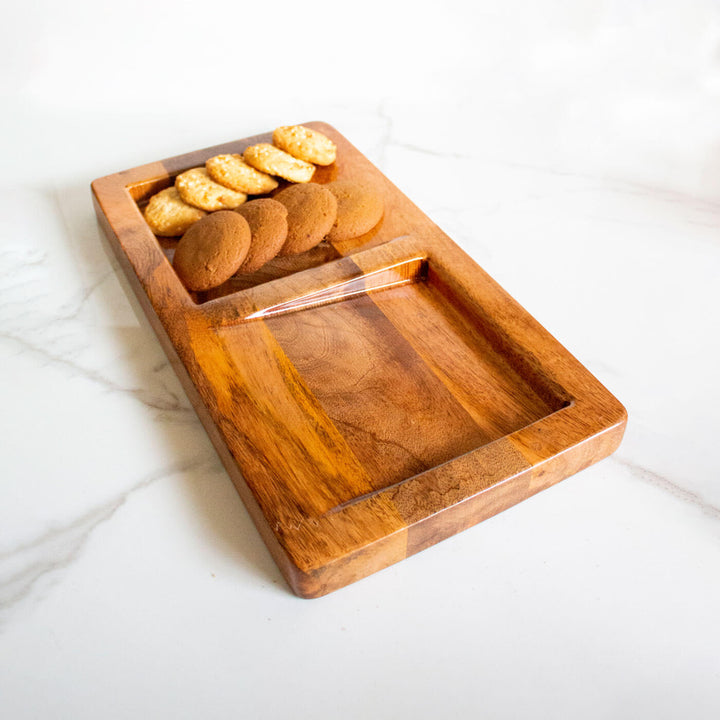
(368, 398)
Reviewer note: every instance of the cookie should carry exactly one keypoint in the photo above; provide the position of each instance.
(311, 213)
(267, 219)
(168, 215)
(269, 159)
(212, 250)
(305, 144)
(233, 172)
(197, 188)
(359, 209)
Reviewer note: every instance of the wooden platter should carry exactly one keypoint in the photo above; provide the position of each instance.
(368, 398)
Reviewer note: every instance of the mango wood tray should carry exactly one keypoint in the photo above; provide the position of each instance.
(368, 398)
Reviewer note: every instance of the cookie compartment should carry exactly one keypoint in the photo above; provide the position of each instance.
(400, 215)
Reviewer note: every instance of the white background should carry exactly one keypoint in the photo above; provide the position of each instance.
(573, 149)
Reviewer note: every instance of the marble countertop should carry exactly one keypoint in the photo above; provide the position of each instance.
(574, 151)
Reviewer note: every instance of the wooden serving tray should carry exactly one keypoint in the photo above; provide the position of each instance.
(368, 398)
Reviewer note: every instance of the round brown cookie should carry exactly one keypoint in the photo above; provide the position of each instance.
(169, 215)
(197, 188)
(359, 209)
(267, 219)
(305, 144)
(212, 250)
(269, 159)
(311, 213)
(233, 172)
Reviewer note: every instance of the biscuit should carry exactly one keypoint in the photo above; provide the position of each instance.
(232, 172)
(212, 250)
(359, 209)
(305, 144)
(269, 159)
(311, 213)
(169, 215)
(197, 188)
(267, 219)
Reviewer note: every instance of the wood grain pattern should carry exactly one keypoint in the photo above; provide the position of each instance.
(361, 370)
(369, 398)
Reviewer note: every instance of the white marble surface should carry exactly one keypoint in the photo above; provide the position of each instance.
(573, 149)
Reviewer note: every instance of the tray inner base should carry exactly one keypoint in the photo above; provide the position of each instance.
(408, 378)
